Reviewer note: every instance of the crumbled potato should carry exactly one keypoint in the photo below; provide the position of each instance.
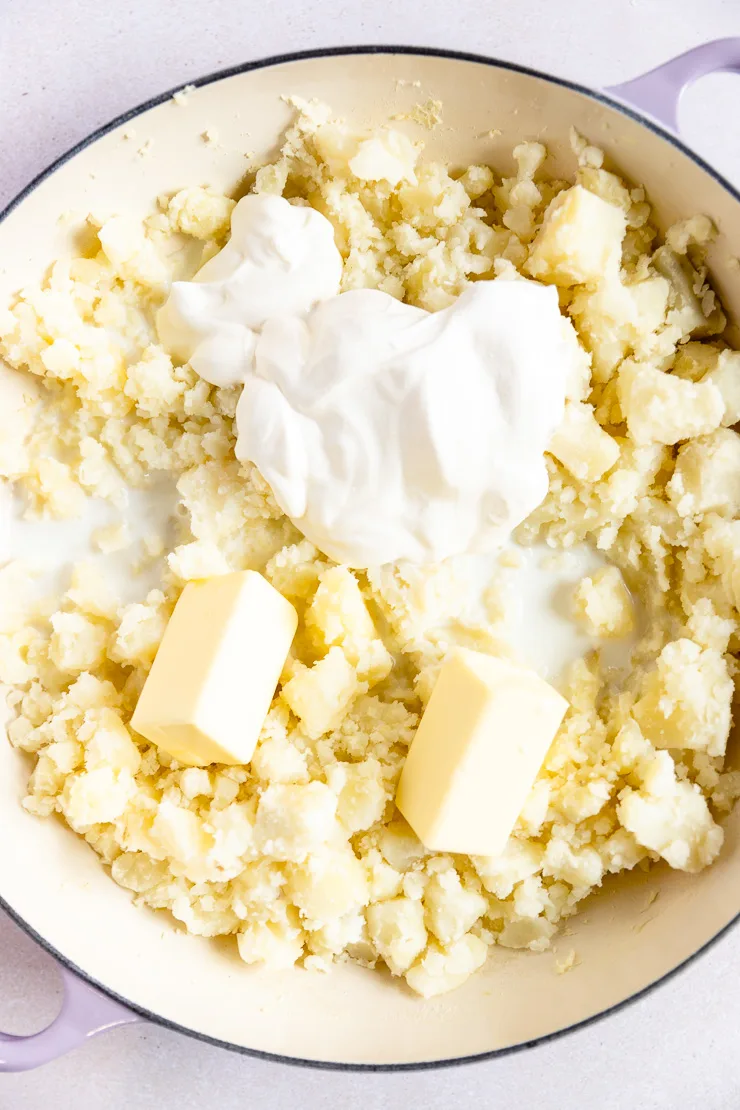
(662, 408)
(671, 817)
(619, 317)
(725, 376)
(397, 931)
(200, 212)
(442, 969)
(582, 445)
(320, 695)
(580, 239)
(302, 856)
(200, 559)
(294, 820)
(338, 615)
(707, 475)
(686, 701)
(76, 643)
(603, 602)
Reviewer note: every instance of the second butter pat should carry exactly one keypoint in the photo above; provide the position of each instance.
(215, 674)
(480, 744)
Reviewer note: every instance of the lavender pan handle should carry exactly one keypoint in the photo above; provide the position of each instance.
(84, 1013)
(658, 92)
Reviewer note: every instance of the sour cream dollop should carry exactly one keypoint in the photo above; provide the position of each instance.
(390, 433)
(281, 259)
(386, 432)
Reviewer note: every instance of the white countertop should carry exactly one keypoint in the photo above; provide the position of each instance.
(69, 67)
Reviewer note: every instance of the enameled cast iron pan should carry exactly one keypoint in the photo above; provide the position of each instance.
(122, 964)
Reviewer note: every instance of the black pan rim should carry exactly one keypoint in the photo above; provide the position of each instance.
(126, 117)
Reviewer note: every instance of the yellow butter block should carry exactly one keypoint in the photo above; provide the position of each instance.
(477, 751)
(215, 673)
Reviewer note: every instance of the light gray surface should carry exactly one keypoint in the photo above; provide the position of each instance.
(66, 68)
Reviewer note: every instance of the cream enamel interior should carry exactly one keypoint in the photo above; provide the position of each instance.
(54, 882)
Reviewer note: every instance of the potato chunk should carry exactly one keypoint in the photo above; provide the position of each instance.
(580, 238)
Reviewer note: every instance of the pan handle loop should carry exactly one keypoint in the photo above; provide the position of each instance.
(658, 92)
(85, 1012)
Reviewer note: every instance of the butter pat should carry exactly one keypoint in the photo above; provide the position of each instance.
(482, 740)
(210, 687)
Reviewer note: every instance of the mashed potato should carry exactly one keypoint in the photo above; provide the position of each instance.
(301, 855)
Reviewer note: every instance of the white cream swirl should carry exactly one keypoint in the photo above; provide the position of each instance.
(390, 433)
(281, 259)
